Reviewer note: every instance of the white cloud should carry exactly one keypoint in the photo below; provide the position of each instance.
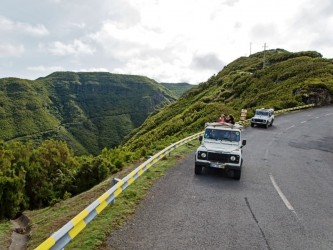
(18, 27)
(163, 42)
(44, 69)
(208, 62)
(77, 47)
(38, 30)
(80, 25)
(7, 50)
(162, 71)
(94, 70)
(169, 41)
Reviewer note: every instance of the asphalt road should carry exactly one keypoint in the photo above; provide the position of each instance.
(284, 199)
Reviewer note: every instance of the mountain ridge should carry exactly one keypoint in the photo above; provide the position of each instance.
(83, 108)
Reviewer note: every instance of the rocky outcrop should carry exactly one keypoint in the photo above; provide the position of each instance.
(318, 96)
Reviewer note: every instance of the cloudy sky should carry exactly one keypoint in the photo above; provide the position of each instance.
(166, 40)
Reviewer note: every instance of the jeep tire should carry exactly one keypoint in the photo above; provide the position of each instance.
(252, 124)
(198, 169)
(272, 122)
(237, 174)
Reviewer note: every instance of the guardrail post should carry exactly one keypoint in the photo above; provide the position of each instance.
(114, 182)
(169, 154)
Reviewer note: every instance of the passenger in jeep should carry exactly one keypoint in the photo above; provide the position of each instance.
(222, 118)
(230, 119)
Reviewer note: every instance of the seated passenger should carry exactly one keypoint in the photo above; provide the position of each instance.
(230, 119)
(221, 119)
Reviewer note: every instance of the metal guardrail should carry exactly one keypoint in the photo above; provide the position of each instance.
(295, 108)
(67, 233)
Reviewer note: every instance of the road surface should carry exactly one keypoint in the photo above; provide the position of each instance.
(284, 199)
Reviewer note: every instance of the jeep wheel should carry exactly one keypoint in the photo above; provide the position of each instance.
(266, 125)
(198, 169)
(252, 125)
(272, 122)
(237, 174)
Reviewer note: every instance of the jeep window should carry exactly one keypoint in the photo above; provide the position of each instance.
(221, 135)
(261, 113)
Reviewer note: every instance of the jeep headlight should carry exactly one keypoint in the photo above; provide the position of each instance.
(202, 155)
(234, 158)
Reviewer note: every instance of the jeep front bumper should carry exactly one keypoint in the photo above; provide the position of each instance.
(218, 165)
(259, 121)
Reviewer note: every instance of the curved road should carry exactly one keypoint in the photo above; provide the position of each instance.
(284, 199)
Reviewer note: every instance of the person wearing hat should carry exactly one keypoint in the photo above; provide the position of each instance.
(221, 119)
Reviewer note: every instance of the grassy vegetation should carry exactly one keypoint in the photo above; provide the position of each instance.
(23, 108)
(89, 111)
(178, 89)
(48, 220)
(5, 233)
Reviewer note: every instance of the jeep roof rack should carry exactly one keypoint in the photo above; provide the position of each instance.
(223, 124)
(270, 109)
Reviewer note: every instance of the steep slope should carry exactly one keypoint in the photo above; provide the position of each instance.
(24, 108)
(178, 89)
(88, 110)
(285, 80)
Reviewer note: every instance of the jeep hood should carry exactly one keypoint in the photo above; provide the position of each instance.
(223, 147)
(263, 117)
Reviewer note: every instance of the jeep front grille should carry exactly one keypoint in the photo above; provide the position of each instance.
(223, 158)
(259, 120)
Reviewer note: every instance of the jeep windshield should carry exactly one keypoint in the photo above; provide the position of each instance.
(220, 135)
(263, 113)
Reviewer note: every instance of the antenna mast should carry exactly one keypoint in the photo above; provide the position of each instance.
(264, 62)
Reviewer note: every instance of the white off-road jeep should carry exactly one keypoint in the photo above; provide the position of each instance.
(221, 147)
(263, 117)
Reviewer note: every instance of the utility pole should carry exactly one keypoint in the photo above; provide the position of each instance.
(264, 62)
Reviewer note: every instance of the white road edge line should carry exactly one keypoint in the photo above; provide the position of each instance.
(290, 127)
(283, 197)
(303, 121)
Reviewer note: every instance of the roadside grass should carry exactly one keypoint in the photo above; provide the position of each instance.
(46, 221)
(5, 233)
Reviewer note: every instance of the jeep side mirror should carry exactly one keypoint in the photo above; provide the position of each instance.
(243, 142)
(200, 138)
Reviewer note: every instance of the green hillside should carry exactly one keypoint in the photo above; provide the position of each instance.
(24, 108)
(89, 111)
(287, 80)
(178, 89)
